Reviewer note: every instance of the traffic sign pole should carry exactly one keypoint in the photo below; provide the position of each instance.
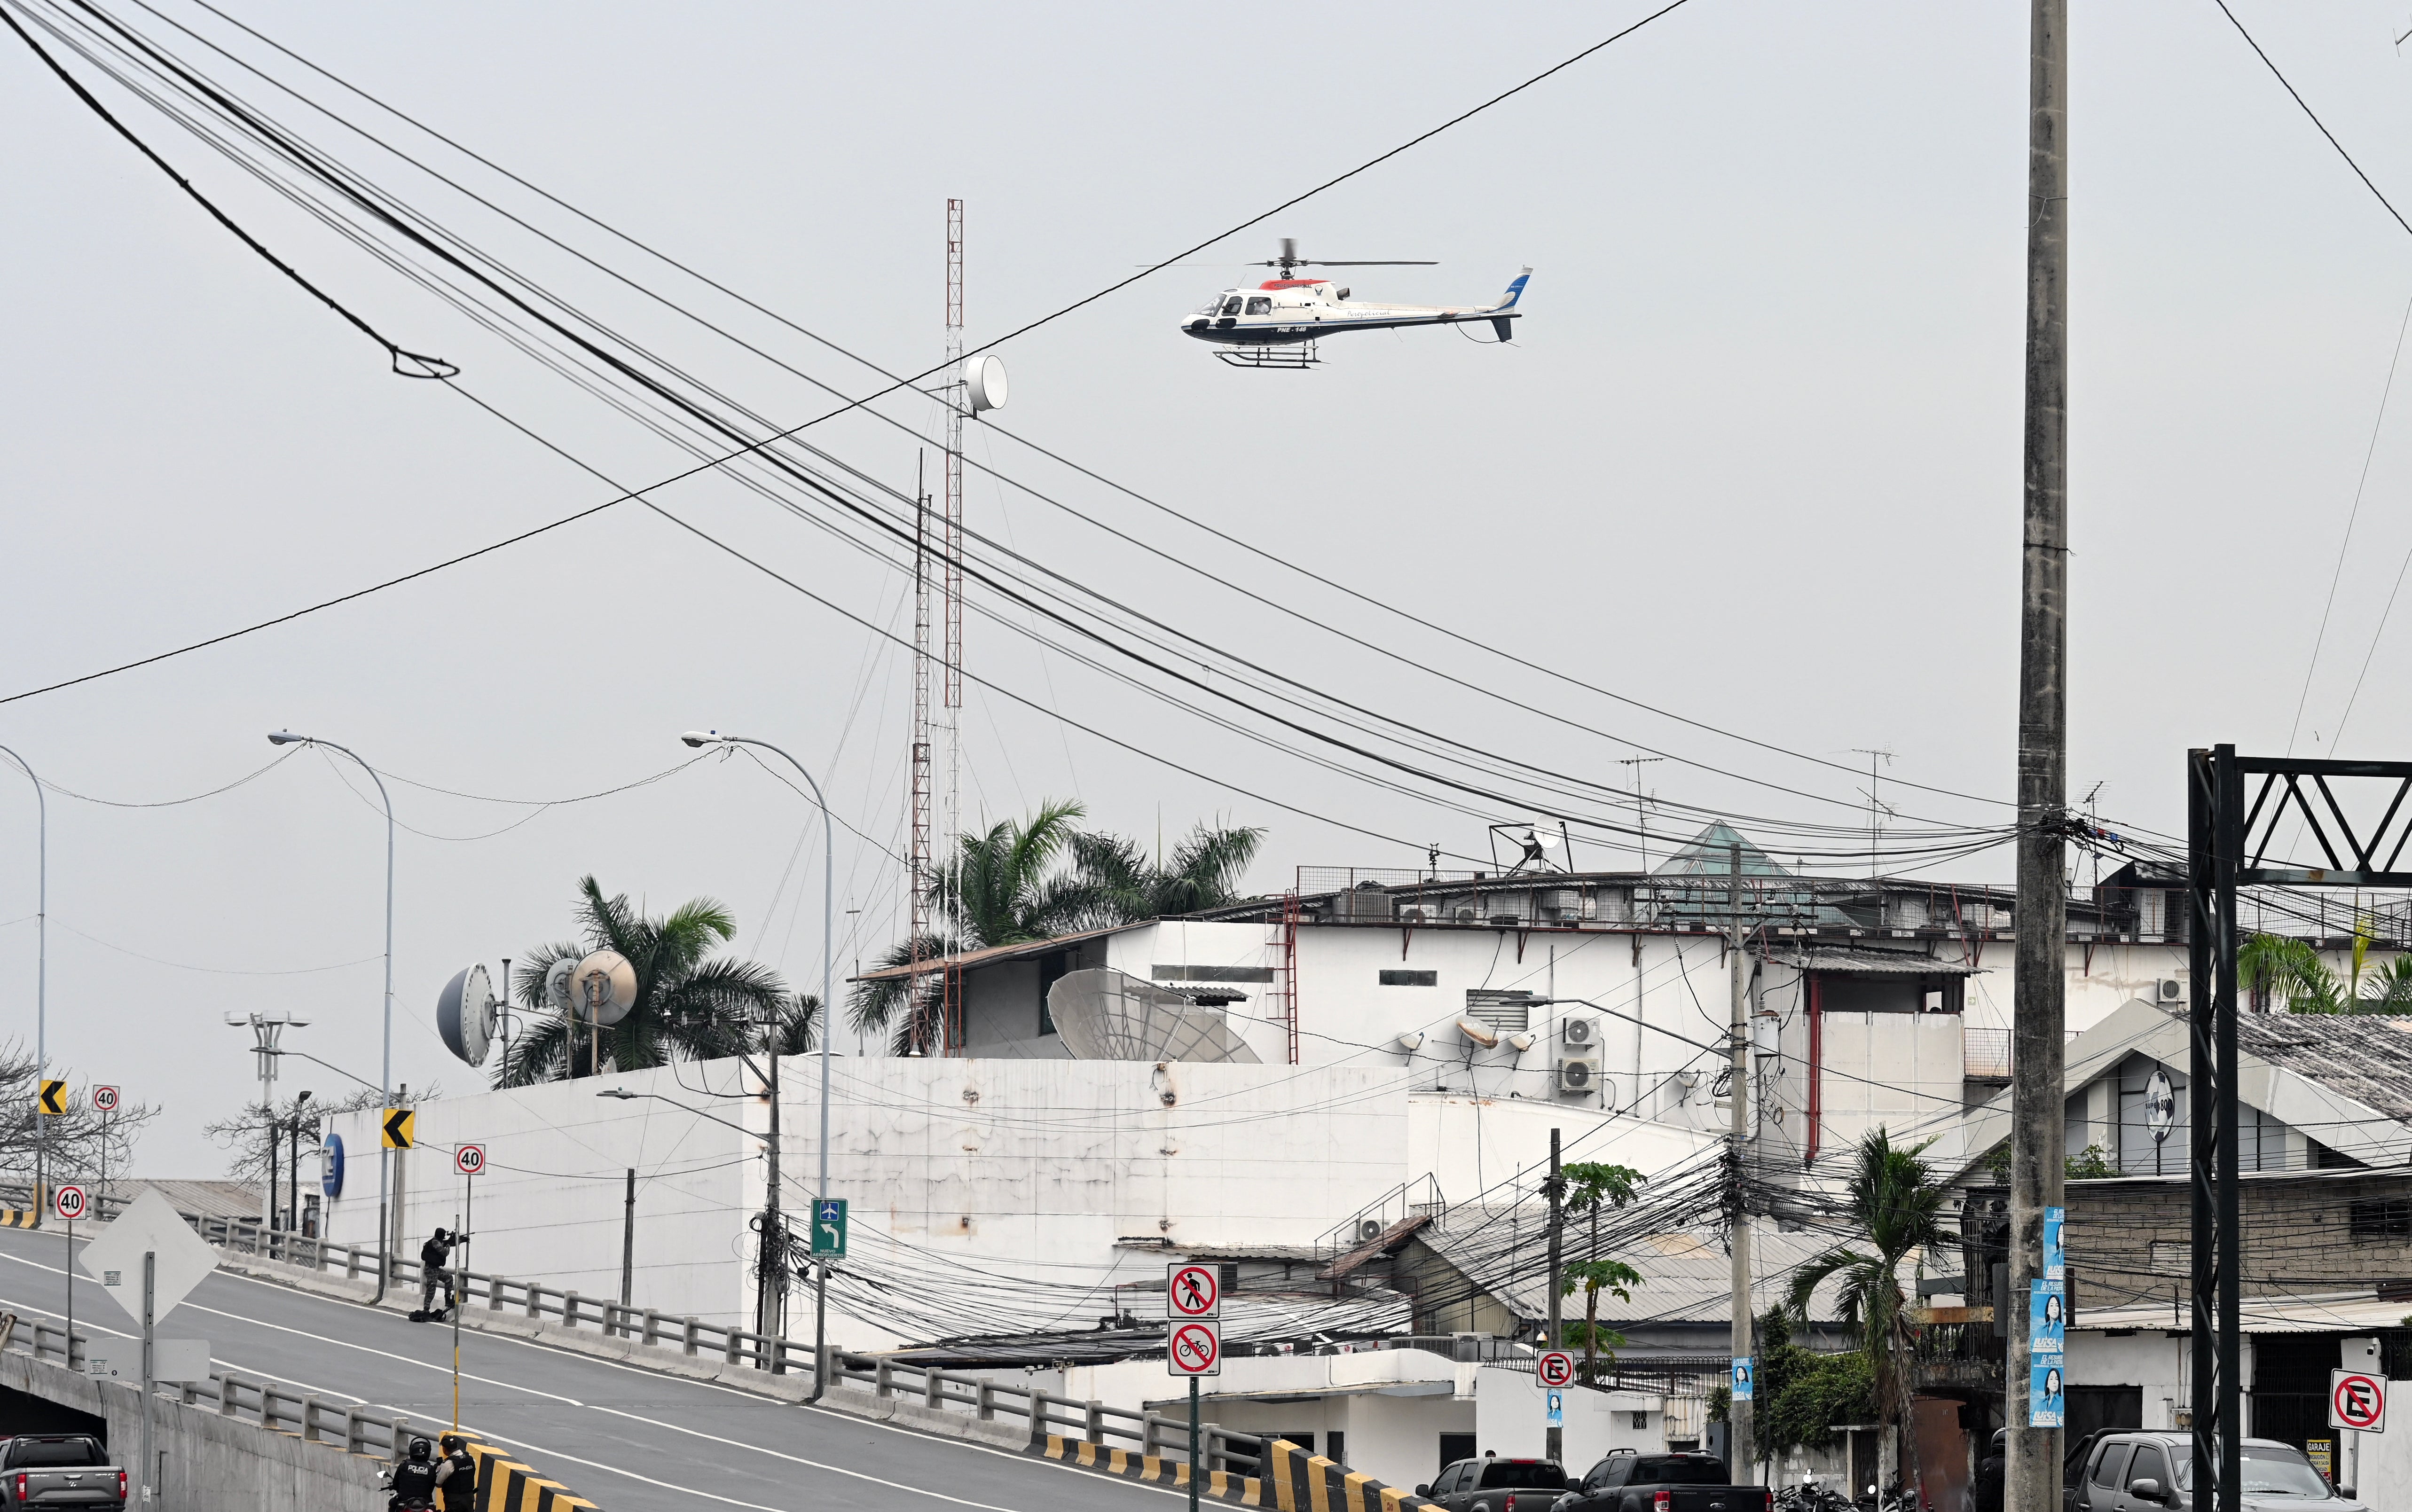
(1193, 1444)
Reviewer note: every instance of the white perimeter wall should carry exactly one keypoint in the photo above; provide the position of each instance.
(986, 1190)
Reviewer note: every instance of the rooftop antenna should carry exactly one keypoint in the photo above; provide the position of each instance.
(1875, 827)
(920, 883)
(1640, 820)
(958, 401)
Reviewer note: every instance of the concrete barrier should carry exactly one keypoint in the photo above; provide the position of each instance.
(505, 1485)
(209, 1463)
(1290, 1480)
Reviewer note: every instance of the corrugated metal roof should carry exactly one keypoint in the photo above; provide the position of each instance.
(1686, 1276)
(996, 953)
(2328, 1312)
(2366, 1057)
(1867, 962)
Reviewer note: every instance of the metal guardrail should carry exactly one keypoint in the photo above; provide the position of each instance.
(927, 1385)
(355, 1428)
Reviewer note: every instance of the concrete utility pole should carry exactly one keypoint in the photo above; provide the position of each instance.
(1555, 1448)
(1740, 1458)
(2037, 1138)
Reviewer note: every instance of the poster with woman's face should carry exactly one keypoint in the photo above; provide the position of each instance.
(2045, 1406)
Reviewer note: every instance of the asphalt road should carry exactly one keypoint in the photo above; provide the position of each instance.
(632, 1440)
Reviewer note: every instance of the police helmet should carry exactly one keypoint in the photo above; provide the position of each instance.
(420, 1449)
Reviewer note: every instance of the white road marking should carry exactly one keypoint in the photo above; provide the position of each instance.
(675, 1427)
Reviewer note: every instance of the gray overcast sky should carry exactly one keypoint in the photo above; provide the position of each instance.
(1754, 458)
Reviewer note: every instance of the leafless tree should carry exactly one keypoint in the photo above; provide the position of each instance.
(244, 1136)
(79, 1142)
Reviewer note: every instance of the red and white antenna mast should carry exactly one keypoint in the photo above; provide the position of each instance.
(958, 401)
(920, 884)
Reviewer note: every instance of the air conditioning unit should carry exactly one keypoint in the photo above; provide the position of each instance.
(2172, 990)
(1368, 1230)
(1578, 1075)
(1580, 1033)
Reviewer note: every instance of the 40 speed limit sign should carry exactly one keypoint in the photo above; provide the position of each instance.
(70, 1202)
(470, 1160)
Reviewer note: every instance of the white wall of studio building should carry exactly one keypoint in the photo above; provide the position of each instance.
(1026, 1171)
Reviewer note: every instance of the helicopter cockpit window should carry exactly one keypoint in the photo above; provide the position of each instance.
(1261, 304)
(1231, 305)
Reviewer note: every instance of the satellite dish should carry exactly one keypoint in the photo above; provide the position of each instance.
(464, 1014)
(2160, 1104)
(1482, 1035)
(1544, 837)
(603, 988)
(984, 381)
(556, 985)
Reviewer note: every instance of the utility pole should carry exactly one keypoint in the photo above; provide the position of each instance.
(1741, 1459)
(1641, 819)
(1556, 1449)
(2037, 1114)
(628, 1241)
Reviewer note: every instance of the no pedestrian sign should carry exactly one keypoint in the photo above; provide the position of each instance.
(1554, 1368)
(1193, 1291)
(1194, 1349)
(2357, 1400)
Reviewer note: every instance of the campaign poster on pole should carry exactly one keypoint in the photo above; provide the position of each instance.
(2046, 1319)
(2047, 1403)
(2055, 1258)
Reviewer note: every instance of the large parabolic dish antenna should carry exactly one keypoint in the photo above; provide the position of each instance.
(1113, 1016)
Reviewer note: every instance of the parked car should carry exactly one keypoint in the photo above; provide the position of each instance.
(59, 1470)
(1630, 1481)
(1493, 1485)
(2149, 1472)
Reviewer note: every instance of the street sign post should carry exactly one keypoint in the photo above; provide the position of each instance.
(1554, 1368)
(829, 1227)
(1192, 1291)
(1195, 1348)
(69, 1203)
(469, 1160)
(2357, 1400)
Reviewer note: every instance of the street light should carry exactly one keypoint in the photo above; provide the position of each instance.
(265, 1030)
(384, 1070)
(42, 975)
(828, 1007)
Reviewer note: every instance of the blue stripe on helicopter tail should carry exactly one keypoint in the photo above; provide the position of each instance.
(1515, 291)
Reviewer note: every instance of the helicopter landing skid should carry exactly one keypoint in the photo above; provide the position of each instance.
(1300, 355)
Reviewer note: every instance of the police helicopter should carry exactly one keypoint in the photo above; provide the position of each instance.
(1276, 323)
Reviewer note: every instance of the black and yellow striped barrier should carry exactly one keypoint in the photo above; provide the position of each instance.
(1293, 1479)
(505, 1485)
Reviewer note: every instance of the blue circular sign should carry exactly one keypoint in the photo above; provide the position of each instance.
(333, 1182)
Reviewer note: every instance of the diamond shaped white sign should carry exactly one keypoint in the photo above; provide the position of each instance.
(115, 1256)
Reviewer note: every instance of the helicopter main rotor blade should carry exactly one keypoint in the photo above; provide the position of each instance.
(1376, 262)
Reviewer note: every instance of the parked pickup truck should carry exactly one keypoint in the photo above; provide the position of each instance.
(1496, 1485)
(1629, 1481)
(58, 1470)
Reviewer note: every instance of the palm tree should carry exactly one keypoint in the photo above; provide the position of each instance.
(1037, 878)
(2273, 966)
(688, 1007)
(1002, 889)
(1204, 872)
(1896, 1204)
